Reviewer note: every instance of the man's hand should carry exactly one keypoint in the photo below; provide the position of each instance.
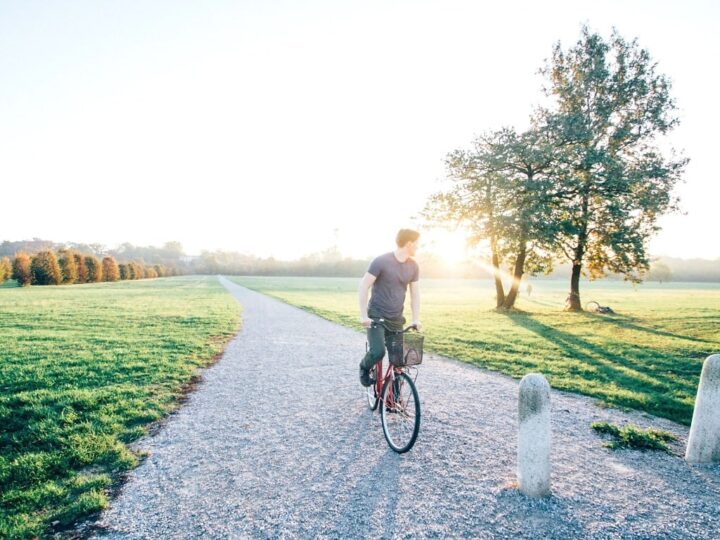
(418, 325)
(366, 322)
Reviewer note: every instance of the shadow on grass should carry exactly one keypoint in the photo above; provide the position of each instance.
(629, 323)
(653, 389)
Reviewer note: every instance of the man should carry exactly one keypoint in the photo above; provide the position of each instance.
(389, 276)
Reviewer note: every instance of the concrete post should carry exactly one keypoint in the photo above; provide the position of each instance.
(704, 440)
(533, 468)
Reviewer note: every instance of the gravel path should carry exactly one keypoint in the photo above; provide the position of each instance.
(277, 442)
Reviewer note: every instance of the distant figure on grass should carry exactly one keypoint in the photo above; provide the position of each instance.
(389, 276)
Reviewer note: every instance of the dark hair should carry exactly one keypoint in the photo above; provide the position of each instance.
(406, 235)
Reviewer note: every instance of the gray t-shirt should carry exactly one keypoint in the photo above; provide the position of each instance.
(392, 279)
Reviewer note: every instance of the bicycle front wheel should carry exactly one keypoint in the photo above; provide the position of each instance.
(400, 412)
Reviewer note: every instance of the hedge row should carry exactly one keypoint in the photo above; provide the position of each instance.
(68, 267)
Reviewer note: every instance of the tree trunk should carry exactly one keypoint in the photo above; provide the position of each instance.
(517, 276)
(499, 289)
(573, 301)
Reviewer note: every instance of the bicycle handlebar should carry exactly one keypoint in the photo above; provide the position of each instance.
(381, 321)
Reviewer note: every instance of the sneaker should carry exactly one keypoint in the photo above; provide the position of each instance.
(365, 378)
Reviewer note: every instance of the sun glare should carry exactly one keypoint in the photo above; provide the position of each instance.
(448, 246)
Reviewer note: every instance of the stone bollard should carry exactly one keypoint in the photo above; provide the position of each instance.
(704, 441)
(533, 467)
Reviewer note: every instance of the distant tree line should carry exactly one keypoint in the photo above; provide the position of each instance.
(324, 264)
(68, 266)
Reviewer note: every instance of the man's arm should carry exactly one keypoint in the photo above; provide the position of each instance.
(415, 303)
(365, 283)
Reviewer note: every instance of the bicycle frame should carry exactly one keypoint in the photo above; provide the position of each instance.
(380, 380)
(389, 372)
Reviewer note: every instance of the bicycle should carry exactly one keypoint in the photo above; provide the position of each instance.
(395, 391)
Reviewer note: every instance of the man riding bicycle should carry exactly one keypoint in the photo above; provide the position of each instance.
(389, 276)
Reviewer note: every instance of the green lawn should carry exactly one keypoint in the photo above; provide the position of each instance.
(648, 356)
(83, 370)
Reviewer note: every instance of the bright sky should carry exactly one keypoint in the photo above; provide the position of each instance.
(280, 127)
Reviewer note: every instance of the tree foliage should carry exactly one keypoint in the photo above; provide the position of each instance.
(68, 266)
(610, 105)
(45, 270)
(499, 192)
(82, 269)
(585, 182)
(111, 272)
(21, 269)
(5, 269)
(94, 269)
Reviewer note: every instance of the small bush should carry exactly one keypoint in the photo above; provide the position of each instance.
(21, 269)
(68, 266)
(94, 269)
(111, 272)
(632, 436)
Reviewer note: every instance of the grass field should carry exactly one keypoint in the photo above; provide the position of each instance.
(648, 356)
(83, 370)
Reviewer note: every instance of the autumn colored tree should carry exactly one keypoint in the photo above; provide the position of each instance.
(82, 270)
(111, 272)
(138, 271)
(94, 269)
(5, 269)
(21, 269)
(68, 266)
(45, 269)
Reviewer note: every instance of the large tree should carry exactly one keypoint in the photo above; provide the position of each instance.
(612, 181)
(499, 192)
(526, 160)
(476, 200)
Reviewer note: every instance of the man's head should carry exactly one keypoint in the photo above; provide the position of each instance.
(408, 239)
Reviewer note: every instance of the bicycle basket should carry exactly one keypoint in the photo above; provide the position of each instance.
(405, 349)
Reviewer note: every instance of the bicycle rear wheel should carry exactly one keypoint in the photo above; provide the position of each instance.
(372, 397)
(400, 412)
